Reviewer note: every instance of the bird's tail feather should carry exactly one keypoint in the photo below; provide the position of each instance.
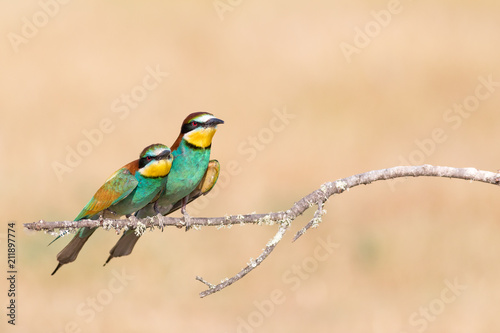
(124, 246)
(71, 251)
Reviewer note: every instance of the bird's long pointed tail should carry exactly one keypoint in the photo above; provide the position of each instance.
(71, 251)
(124, 246)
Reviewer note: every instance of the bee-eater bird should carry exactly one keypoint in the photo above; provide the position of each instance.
(192, 174)
(127, 190)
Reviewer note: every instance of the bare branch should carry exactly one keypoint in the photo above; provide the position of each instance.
(284, 219)
(319, 196)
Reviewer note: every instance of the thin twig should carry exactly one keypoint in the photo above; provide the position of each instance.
(315, 221)
(249, 267)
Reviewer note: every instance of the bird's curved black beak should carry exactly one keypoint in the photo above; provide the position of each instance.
(164, 154)
(214, 122)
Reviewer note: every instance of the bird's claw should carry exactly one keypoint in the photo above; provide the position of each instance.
(160, 221)
(187, 220)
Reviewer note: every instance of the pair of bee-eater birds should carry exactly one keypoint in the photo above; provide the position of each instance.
(161, 181)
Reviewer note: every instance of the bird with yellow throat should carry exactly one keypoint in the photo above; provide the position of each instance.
(128, 190)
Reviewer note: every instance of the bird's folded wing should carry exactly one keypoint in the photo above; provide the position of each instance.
(115, 189)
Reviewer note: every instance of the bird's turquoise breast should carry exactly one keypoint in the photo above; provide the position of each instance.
(145, 191)
(188, 168)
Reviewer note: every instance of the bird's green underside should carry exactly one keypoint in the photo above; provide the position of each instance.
(188, 168)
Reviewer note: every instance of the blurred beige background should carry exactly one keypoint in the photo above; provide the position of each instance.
(359, 85)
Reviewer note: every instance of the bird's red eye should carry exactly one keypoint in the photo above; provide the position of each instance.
(194, 123)
(149, 158)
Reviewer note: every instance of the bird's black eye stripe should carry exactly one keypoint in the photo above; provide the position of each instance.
(190, 126)
(142, 162)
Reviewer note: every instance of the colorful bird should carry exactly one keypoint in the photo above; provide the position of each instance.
(192, 175)
(127, 190)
